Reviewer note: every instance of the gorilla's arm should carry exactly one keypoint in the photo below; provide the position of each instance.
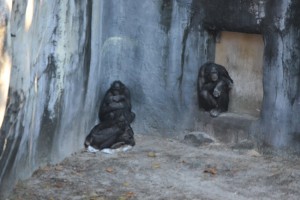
(117, 98)
(225, 76)
(220, 87)
(115, 106)
(111, 103)
(201, 78)
(105, 134)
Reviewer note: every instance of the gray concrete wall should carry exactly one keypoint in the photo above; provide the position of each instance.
(65, 54)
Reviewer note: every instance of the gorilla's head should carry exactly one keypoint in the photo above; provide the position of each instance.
(214, 76)
(116, 87)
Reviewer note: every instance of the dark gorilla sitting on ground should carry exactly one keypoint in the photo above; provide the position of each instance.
(214, 84)
(115, 117)
(116, 102)
(110, 134)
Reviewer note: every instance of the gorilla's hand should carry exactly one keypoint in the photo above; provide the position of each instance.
(216, 92)
(117, 105)
(118, 98)
(214, 112)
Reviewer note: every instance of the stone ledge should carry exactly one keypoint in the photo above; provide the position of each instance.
(230, 128)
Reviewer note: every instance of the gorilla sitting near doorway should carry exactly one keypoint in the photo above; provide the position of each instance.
(214, 84)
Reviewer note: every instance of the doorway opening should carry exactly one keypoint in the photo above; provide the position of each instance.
(242, 55)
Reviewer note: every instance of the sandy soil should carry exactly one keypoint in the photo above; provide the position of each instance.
(166, 168)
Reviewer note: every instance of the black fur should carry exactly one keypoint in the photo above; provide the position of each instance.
(115, 117)
(213, 95)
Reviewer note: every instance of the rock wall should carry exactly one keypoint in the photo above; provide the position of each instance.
(65, 54)
(48, 43)
(155, 53)
(279, 125)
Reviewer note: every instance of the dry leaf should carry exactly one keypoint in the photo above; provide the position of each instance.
(152, 154)
(109, 170)
(58, 168)
(126, 196)
(253, 153)
(130, 194)
(96, 198)
(77, 173)
(211, 170)
(59, 185)
(126, 184)
(122, 198)
(155, 166)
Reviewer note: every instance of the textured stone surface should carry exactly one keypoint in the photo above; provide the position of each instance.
(45, 118)
(197, 139)
(65, 54)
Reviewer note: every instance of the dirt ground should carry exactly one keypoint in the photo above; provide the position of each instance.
(166, 168)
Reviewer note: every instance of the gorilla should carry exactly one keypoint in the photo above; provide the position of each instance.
(214, 84)
(110, 134)
(116, 102)
(115, 116)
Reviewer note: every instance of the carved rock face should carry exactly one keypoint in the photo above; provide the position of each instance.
(155, 48)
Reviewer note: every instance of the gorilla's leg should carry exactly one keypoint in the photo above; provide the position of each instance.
(107, 144)
(88, 141)
(207, 101)
(106, 138)
(105, 134)
(127, 137)
(117, 145)
(222, 101)
(102, 138)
